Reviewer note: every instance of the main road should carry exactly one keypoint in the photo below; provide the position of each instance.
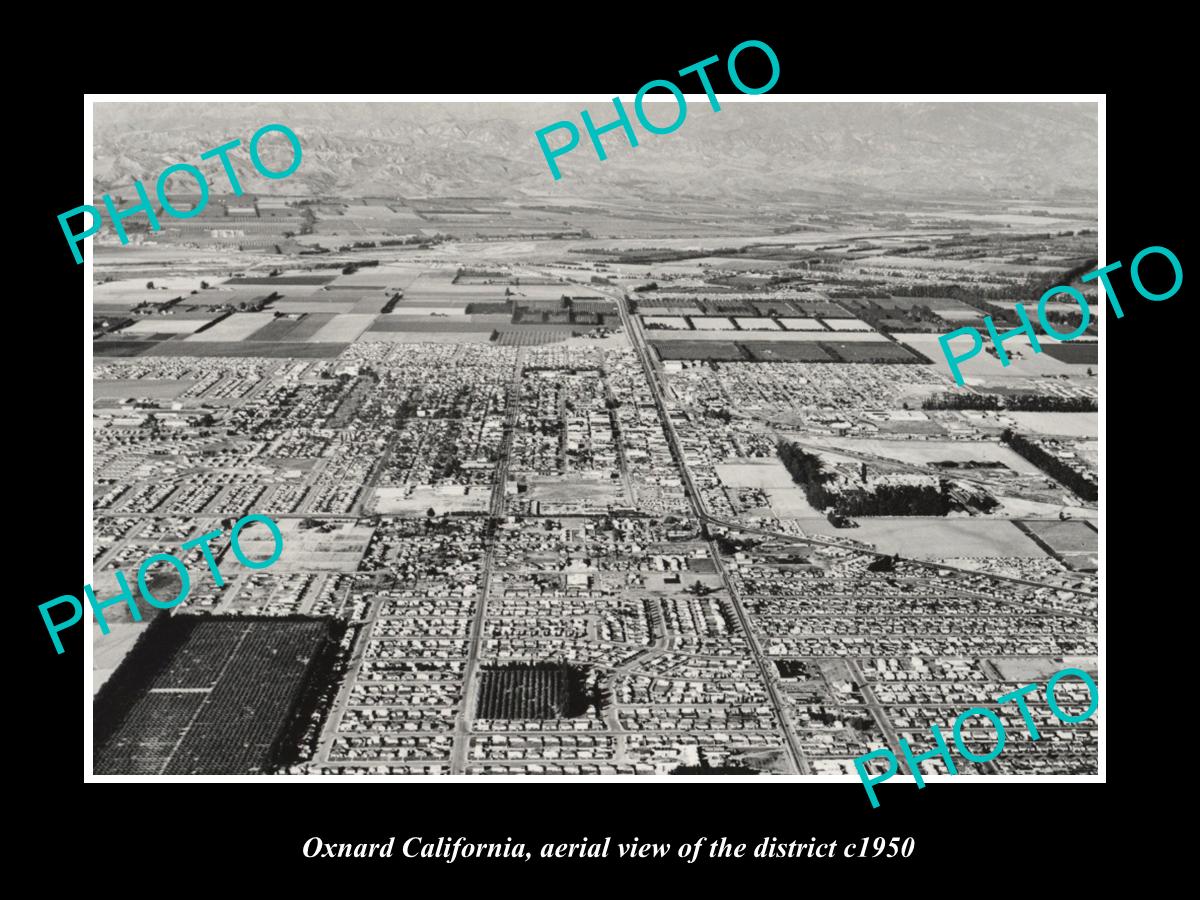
(462, 724)
(766, 667)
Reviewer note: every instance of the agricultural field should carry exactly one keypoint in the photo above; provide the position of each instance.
(756, 323)
(239, 349)
(872, 351)
(439, 324)
(164, 325)
(236, 327)
(782, 337)
(1079, 353)
(1074, 541)
(427, 337)
(342, 329)
(795, 323)
(848, 325)
(534, 335)
(208, 695)
(711, 350)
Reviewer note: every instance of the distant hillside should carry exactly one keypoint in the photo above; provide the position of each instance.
(747, 152)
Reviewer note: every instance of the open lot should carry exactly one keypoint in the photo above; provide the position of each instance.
(1061, 424)
(936, 538)
(333, 547)
(139, 388)
(417, 500)
(769, 473)
(924, 453)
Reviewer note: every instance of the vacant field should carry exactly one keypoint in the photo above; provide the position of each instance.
(790, 503)
(331, 547)
(566, 489)
(1080, 425)
(1022, 360)
(416, 501)
(924, 453)
(1033, 668)
(236, 327)
(1078, 353)
(139, 388)
(936, 538)
(209, 695)
(765, 474)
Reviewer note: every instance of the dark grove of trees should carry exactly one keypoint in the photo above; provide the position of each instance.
(885, 500)
(1051, 465)
(1014, 402)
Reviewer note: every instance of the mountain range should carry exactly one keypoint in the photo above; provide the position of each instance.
(754, 150)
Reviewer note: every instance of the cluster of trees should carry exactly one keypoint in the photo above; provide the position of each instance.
(1014, 402)
(1056, 468)
(542, 690)
(807, 471)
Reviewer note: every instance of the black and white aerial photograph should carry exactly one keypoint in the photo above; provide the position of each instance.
(657, 469)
